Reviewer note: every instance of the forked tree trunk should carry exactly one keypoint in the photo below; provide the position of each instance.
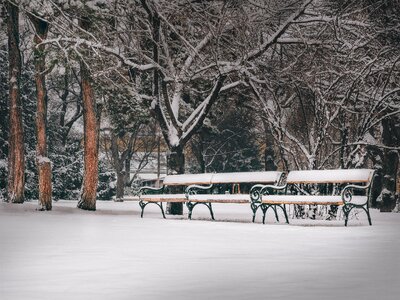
(43, 163)
(90, 129)
(176, 165)
(16, 157)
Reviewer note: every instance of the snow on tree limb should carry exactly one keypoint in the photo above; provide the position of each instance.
(208, 102)
(77, 42)
(277, 34)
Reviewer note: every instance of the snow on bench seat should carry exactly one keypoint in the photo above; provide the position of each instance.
(310, 199)
(246, 177)
(188, 179)
(220, 198)
(216, 178)
(330, 176)
(164, 198)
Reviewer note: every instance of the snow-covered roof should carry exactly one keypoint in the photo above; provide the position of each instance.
(330, 176)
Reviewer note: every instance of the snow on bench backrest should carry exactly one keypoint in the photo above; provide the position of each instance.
(188, 179)
(242, 177)
(330, 176)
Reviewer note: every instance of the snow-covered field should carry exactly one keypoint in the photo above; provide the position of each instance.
(114, 254)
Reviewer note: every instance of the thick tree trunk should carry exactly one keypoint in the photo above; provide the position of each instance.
(90, 128)
(269, 153)
(378, 179)
(390, 137)
(176, 165)
(43, 163)
(16, 157)
(120, 184)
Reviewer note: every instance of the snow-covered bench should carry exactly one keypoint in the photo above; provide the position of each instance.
(157, 196)
(302, 188)
(202, 188)
(206, 195)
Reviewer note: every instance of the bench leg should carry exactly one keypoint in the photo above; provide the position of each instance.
(162, 210)
(285, 213)
(211, 211)
(191, 205)
(143, 205)
(368, 215)
(264, 208)
(346, 211)
(254, 207)
(276, 213)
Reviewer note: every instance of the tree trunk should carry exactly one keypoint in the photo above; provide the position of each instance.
(43, 163)
(120, 184)
(118, 164)
(176, 165)
(128, 171)
(269, 153)
(376, 155)
(16, 157)
(390, 137)
(90, 129)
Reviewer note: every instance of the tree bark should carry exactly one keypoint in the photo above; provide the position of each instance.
(176, 165)
(269, 153)
(118, 166)
(16, 156)
(391, 138)
(91, 134)
(120, 185)
(128, 171)
(43, 163)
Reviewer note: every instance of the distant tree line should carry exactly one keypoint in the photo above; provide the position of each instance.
(230, 85)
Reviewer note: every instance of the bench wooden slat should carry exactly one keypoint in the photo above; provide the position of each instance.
(220, 198)
(310, 199)
(164, 198)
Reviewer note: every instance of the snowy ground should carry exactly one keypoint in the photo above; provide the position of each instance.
(113, 254)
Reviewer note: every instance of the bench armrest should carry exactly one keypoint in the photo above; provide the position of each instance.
(258, 190)
(347, 193)
(192, 189)
(150, 190)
